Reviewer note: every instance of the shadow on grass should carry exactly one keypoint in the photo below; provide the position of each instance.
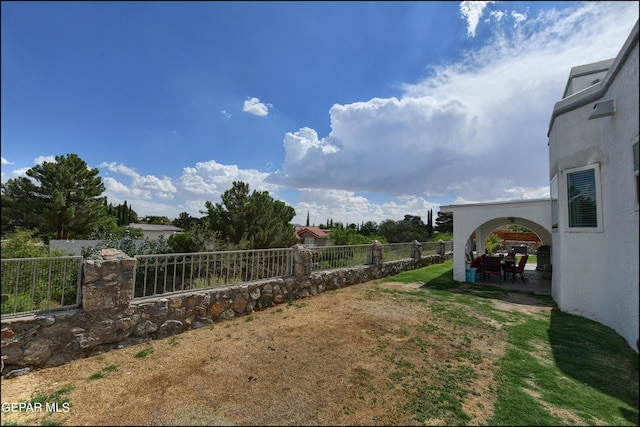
(596, 355)
(445, 282)
(587, 351)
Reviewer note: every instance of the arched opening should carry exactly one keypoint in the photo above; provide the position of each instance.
(482, 218)
(537, 237)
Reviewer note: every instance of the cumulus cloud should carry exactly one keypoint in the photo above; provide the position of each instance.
(348, 207)
(205, 181)
(146, 194)
(210, 179)
(6, 162)
(475, 130)
(255, 107)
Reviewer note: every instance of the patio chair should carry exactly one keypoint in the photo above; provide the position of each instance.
(491, 267)
(477, 262)
(519, 269)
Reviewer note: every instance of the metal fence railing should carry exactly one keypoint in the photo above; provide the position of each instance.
(33, 285)
(170, 273)
(396, 251)
(430, 248)
(330, 257)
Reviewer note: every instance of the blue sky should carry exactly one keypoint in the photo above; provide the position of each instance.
(353, 111)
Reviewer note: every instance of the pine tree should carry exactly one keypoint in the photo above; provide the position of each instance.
(65, 200)
(253, 220)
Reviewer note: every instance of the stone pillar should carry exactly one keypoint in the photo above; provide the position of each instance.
(416, 250)
(441, 248)
(108, 281)
(376, 253)
(301, 261)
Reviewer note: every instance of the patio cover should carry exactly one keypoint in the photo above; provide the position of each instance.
(483, 218)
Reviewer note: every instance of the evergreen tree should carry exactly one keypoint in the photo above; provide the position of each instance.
(444, 222)
(124, 214)
(183, 221)
(251, 221)
(64, 198)
(430, 223)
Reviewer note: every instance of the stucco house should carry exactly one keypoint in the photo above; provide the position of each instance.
(595, 192)
(591, 221)
(312, 236)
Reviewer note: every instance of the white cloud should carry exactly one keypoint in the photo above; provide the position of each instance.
(495, 16)
(116, 187)
(518, 18)
(474, 130)
(255, 107)
(145, 194)
(472, 12)
(206, 181)
(347, 207)
(6, 162)
(143, 183)
(41, 159)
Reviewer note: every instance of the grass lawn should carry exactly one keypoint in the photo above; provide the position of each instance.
(558, 369)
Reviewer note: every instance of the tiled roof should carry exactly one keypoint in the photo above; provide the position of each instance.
(315, 231)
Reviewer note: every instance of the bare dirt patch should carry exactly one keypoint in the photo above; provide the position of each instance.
(354, 356)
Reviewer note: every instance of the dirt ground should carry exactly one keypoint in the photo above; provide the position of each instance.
(323, 360)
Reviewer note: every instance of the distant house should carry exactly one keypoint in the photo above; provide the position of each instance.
(312, 236)
(153, 231)
(595, 192)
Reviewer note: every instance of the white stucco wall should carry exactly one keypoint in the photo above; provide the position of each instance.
(483, 218)
(595, 273)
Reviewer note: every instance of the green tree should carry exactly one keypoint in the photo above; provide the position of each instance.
(369, 228)
(492, 242)
(444, 222)
(251, 221)
(348, 236)
(124, 214)
(157, 220)
(204, 238)
(62, 197)
(16, 212)
(430, 223)
(183, 221)
(407, 230)
(23, 244)
(182, 243)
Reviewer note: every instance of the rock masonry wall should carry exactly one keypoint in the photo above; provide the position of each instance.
(110, 317)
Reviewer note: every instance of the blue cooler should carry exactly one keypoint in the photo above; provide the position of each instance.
(471, 275)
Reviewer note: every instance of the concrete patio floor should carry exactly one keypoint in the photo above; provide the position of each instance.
(537, 281)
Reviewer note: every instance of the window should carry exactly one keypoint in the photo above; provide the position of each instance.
(554, 202)
(583, 198)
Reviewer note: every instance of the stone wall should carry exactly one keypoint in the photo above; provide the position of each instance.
(110, 317)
